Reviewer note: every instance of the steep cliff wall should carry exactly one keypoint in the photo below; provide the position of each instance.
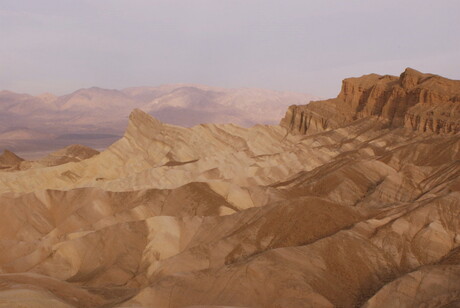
(421, 102)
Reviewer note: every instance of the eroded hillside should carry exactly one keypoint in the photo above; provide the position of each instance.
(361, 211)
(421, 102)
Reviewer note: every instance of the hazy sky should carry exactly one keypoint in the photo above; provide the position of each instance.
(309, 46)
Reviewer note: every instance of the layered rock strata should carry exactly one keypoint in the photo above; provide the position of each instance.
(420, 102)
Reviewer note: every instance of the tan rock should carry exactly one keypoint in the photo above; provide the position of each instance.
(345, 207)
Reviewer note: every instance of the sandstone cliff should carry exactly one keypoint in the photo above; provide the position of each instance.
(421, 102)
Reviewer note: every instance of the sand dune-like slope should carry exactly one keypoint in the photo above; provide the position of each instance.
(365, 214)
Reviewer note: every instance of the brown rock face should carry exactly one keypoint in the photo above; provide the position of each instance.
(421, 102)
(8, 159)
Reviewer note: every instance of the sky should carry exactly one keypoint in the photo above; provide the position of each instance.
(308, 46)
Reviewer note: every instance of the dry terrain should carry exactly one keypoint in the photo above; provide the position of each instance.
(349, 202)
(31, 126)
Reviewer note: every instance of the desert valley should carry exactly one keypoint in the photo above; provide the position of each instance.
(347, 202)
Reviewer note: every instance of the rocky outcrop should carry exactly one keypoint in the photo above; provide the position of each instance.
(8, 160)
(421, 102)
(71, 153)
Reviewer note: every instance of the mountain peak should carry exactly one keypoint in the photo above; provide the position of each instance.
(8, 158)
(142, 121)
(412, 71)
(410, 78)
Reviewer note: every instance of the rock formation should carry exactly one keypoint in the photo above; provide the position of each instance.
(97, 117)
(8, 160)
(71, 153)
(421, 102)
(364, 213)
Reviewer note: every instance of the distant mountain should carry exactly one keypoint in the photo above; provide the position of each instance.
(23, 133)
(95, 114)
(93, 99)
(245, 107)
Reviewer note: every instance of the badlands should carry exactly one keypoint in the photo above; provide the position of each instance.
(97, 117)
(349, 202)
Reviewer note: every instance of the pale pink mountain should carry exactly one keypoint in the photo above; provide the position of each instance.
(97, 117)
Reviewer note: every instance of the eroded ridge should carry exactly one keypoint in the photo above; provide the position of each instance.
(362, 210)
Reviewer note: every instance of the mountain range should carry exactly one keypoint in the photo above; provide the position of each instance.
(30, 125)
(348, 202)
